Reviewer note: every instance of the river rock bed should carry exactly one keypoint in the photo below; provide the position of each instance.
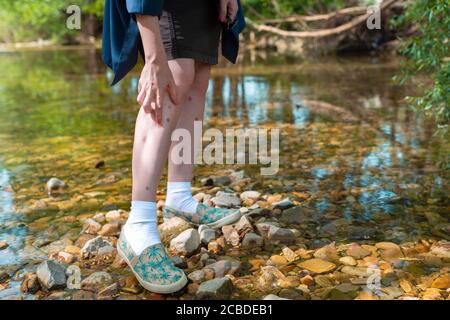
(275, 251)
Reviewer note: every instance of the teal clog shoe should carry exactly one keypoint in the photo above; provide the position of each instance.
(153, 268)
(212, 217)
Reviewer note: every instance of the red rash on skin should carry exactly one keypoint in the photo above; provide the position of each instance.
(190, 98)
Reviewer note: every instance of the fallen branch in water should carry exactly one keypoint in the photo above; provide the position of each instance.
(319, 33)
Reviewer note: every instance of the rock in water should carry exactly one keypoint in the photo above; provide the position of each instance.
(282, 204)
(51, 275)
(293, 216)
(54, 186)
(3, 245)
(289, 254)
(317, 265)
(215, 289)
(186, 242)
(357, 252)
(96, 281)
(30, 283)
(252, 240)
(442, 282)
(281, 234)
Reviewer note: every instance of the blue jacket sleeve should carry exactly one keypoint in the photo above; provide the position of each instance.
(145, 7)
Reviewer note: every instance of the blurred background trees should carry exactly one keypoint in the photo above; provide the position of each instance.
(421, 27)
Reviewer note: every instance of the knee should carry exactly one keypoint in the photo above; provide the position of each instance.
(183, 75)
(199, 87)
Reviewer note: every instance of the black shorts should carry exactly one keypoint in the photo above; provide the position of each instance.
(191, 29)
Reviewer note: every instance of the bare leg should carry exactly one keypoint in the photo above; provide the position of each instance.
(151, 145)
(152, 142)
(179, 194)
(192, 110)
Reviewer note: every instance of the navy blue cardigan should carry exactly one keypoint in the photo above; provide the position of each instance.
(121, 38)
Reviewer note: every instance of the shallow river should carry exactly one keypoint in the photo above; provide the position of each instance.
(362, 164)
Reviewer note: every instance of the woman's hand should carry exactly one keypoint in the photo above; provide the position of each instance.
(228, 9)
(155, 82)
(156, 78)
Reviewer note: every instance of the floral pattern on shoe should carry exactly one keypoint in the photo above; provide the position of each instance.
(203, 215)
(153, 265)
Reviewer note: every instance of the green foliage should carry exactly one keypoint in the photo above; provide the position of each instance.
(46, 19)
(428, 52)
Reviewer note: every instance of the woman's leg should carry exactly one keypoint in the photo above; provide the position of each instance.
(150, 150)
(179, 194)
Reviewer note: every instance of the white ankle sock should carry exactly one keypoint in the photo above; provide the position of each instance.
(141, 228)
(179, 197)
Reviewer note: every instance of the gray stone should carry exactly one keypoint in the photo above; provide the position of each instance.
(215, 289)
(293, 216)
(281, 234)
(252, 240)
(96, 281)
(224, 267)
(91, 247)
(264, 227)
(51, 275)
(283, 204)
(206, 234)
(186, 242)
(197, 276)
(226, 199)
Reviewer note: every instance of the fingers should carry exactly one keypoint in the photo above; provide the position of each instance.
(159, 105)
(141, 96)
(232, 10)
(149, 99)
(223, 10)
